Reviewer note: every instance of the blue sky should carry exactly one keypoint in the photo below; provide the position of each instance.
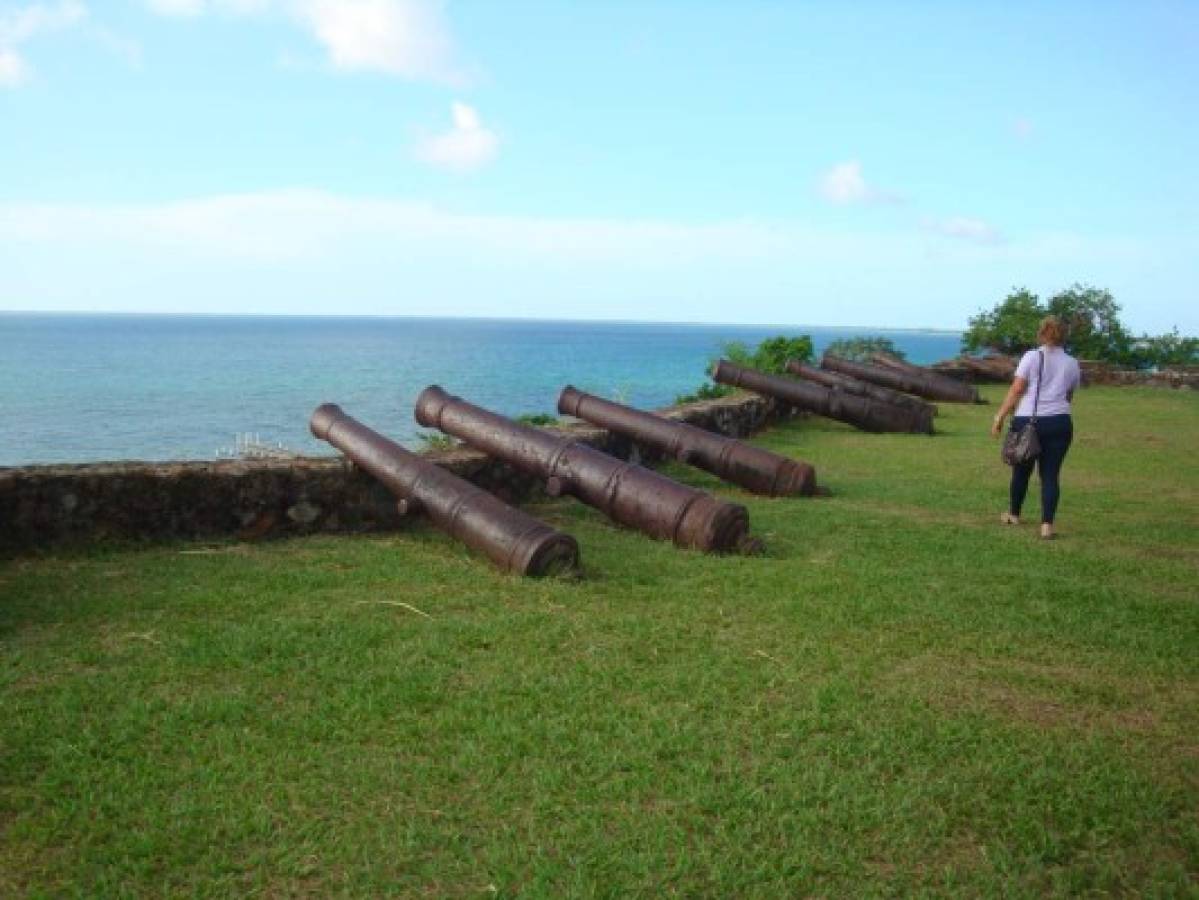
(900, 164)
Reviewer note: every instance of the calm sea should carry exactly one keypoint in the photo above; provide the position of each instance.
(76, 388)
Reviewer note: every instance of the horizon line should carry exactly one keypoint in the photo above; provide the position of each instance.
(930, 329)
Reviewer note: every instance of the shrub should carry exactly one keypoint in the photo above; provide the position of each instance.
(539, 420)
(433, 440)
(1165, 350)
(706, 391)
(770, 356)
(860, 348)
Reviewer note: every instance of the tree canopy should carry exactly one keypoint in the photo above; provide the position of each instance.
(1011, 327)
(860, 348)
(1093, 329)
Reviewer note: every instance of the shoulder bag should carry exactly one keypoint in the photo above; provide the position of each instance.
(1024, 446)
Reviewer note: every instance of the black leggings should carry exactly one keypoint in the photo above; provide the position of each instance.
(1055, 434)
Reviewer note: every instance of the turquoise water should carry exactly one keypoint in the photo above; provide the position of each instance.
(76, 388)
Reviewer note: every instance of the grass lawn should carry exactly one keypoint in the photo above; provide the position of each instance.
(901, 696)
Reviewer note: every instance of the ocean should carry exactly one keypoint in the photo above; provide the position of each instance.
(81, 388)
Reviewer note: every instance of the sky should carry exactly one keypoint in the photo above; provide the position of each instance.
(868, 164)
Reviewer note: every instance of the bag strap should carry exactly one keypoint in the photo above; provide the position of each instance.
(1036, 400)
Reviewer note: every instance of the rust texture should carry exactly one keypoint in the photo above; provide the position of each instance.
(921, 383)
(861, 412)
(750, 467)
(994, 368)
(628, 493)
(838, 382)
(514, 541)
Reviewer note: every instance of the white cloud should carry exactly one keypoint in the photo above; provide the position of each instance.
(844, 185)
(13, 69)
(22, 24)
(408, 38)
(176, 7)
(319, 252)
(965, 228)
(192, 8)
(405, 38)
(304, 224)
(468, 145)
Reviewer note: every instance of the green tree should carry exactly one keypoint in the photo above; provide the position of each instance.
(773, 353)
(860, 348)
(1093, 326)
(1165, 350)
(1011, 327)
(770, 356)
(1093, 329)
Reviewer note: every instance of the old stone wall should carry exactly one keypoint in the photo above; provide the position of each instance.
(41, 506)
(1105, 373)
(996, 370)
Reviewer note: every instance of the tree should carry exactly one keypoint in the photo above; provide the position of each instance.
(1166, 350)
(860, 348)
(1011, 327)
(773, 353)
(1093, 327)
(770, 356)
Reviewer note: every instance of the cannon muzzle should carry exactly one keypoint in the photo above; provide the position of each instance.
(626, 492)
(750, 467)
(514, 541)
(861, 412)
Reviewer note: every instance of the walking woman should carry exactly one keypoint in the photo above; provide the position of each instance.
(1046, 378)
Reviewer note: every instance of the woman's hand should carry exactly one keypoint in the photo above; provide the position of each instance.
(1019, 386)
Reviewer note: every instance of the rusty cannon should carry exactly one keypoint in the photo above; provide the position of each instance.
(514, 541)
(922, 383)
(750, 467)
(628, 493)
(839, 382)
(861, 412)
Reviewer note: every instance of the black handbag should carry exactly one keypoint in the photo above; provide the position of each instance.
(1024, 446)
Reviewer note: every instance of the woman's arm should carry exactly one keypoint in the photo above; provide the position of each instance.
(1015, 392)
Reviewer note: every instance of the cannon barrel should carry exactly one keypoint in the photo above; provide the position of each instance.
(839, 382)
(923, 383)
(1000, 369)
(891, 361)
(861, 412)
(628, 493)
(514, 541)
(750, 467)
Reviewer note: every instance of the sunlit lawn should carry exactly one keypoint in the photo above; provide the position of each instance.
(900, 696)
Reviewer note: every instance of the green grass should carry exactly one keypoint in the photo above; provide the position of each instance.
(900, 696)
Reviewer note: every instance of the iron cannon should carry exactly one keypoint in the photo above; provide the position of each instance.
(626, 492)
(838, 382)
(750, 467)
(921, 383)
(861, 412)
(513, 540)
